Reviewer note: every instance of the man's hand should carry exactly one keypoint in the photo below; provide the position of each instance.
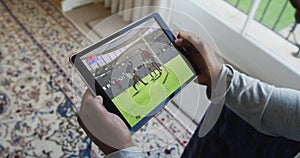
(105, 129)
(202, 56)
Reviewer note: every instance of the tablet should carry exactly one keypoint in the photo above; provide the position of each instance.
(136, 70)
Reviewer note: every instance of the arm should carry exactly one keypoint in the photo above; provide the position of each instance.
(271, 110)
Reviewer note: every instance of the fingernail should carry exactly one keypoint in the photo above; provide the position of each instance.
(100, 99)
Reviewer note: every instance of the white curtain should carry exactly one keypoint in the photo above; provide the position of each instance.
(123, 7)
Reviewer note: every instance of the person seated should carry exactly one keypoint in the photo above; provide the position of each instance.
(257, 119)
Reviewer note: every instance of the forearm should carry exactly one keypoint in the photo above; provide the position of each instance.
(282, 114)
(273, 111)
(248, 98)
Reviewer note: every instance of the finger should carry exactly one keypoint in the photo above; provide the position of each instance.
(184, 39)
(175, 32)
(180, 33)
(90, 99)
(178, 42)
(193, 42)
(100, 99)
(187, 42)
(95, 105)
(193, 38)
(185, 36)
(87, 95)
(183, 43)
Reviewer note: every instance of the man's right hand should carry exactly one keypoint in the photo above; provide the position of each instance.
(202, 56)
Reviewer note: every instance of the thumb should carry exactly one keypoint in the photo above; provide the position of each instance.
(100, 99)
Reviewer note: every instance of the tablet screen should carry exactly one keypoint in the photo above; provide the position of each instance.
(139, 70)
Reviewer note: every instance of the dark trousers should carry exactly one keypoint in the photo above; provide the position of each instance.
(231, 137)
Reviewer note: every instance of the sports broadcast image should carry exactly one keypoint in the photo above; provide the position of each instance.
(138, 70)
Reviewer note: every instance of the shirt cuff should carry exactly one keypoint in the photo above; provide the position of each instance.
(223, 84)
(131, 152)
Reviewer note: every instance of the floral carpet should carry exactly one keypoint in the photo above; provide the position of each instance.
(40, 92)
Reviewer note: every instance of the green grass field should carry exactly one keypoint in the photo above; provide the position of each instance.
(132, 104)
(272, 12)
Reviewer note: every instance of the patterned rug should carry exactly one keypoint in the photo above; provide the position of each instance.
(40, 93)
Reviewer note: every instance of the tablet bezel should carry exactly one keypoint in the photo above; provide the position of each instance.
(95, 87)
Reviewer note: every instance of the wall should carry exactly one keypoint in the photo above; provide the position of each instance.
(68, 5)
